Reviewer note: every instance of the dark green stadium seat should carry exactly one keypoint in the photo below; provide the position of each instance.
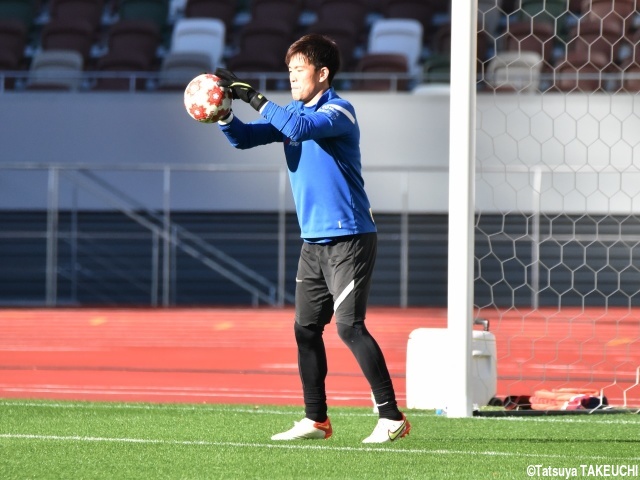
(154, 10)
(22, 10)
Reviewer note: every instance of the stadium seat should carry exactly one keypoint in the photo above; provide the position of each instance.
(620, 12)
(543, 10)
(418, 10)
(553, 12)
(517, 71)
(121, 72)
(137, 38)
(575, 6)
(13, 38)
(221, 9)
(630, 63)
(310, 10)
(437, 69)
(224, 10)
(398, 35)
(352, 11)
(55, 70)
(441, 43)
(343, 34)
(631, 79)
(593, 36)
(287, 11)
(68, 34)
(441, 40)
(88, 10)
(131, 47)
(253, 67)
(581, 72)
(200, 35)
(270, 33)
(489, 16)
(441, 6)
(383, 63)
(23, 11)
(634, 54)
(530, 37)
(414, 9)
(262, 45)
(179, 68)
(155, 10)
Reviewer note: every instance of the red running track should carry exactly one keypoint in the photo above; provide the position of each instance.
(248, 356)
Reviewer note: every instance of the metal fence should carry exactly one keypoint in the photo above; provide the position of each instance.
(168, 236)
(529, 256)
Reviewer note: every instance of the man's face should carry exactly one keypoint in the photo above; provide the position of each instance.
(307, 83)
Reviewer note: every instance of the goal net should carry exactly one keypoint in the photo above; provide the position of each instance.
(557, 201)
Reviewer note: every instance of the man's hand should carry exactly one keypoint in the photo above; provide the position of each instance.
(240, 89)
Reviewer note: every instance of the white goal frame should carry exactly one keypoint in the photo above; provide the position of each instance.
(461, 203)
(558, 169)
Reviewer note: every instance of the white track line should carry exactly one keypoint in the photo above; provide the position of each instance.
(288, 446)
(259, 409)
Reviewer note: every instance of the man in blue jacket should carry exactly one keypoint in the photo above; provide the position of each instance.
(321, 140)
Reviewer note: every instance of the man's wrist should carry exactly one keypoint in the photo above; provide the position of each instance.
(226, 120)
(258, 101)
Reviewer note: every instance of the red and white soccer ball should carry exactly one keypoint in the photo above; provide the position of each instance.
(205, 100)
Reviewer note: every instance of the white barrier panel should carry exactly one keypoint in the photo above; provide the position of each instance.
(428, 376)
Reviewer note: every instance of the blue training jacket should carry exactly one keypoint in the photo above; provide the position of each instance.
(322, 148)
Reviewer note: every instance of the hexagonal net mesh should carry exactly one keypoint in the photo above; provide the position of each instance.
(557, 253)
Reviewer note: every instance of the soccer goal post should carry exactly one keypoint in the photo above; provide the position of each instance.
(544, 197)
(461, 203)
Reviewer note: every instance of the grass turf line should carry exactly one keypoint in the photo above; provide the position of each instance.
(77, 440)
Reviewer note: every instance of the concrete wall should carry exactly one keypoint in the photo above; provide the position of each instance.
(590, 143)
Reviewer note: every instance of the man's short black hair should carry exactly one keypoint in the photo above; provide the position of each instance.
(319, 50)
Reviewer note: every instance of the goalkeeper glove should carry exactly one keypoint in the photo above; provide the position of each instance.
(240, 89)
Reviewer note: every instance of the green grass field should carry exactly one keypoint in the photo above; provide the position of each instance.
(78, 440)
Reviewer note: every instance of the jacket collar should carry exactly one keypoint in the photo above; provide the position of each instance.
(329, 94)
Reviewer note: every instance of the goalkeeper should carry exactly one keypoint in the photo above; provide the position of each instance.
(320, 134)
